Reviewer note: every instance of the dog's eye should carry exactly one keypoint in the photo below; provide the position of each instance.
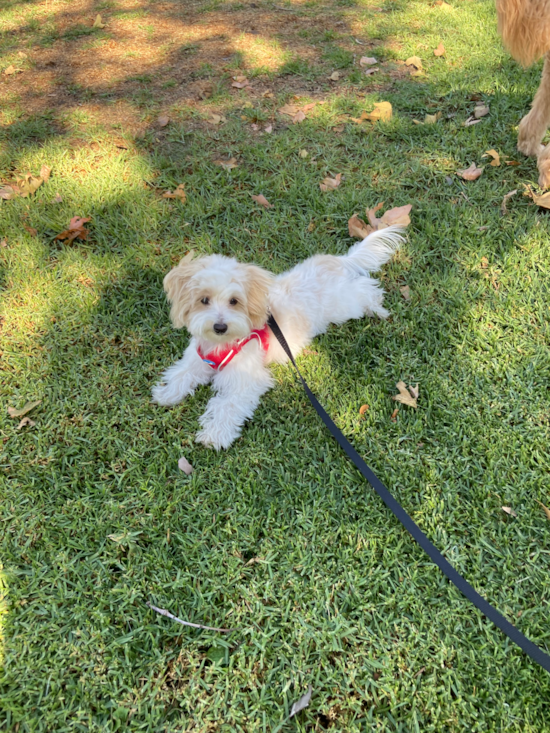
(205, 301)
(233, 301)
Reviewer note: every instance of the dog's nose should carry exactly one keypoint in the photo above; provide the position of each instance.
(220, 327)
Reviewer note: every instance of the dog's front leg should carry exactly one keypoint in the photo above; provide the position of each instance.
(182, 378)
(238, 395)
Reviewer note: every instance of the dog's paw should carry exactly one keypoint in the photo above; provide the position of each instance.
(212, 437)
(164, 394)
(543, 163)
(530, 133)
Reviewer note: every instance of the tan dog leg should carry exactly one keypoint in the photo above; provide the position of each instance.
(533, 126)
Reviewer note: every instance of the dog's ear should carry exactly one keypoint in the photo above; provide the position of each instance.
(257, 290)
(178, 292)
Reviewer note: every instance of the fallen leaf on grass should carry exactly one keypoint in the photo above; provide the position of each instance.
(297, 113)
(470, 121)
(303, 153)
(443, 4)
(481, 110)
(45, 172)
(76, 230)
(227, 164)
(300, 117)
(470, 174)
(494, 155)
(398, 216)
(261, 199)
(405, 396)
(334, 76)
(12, 70)
(363, 409)
(268, 128)
(98, 23)
(329, 184)
(29, 184)
(416, 63)
(357, 228)
(509, 511)
(179, 193)
(185, 466)
(14, 412)
(546, 510)
(381, 111)
(394, 414)
(440, 50)
(506, 198)
(414, 390)
(542, 200)
(4, 243)
(56, 199)
(367, 61)
(372, 70)
(163, 120)
(432, 119)
(31, 230)
(405, 292)
(240, 82)
(302, 703)
(215, 119)
(26, 422)
(8, 192)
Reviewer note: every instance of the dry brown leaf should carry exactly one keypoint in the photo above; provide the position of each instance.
(432, 119)
(28, 184)
(4, 243)
(339, 128)
(404, 396)
(470, 174)
(372, 70)
(367, 61)
(506, 198)
(358, 229)
(414, 61)
(509, 511)
(76, 230)
(14, 412)
(329, 184)
(300, 704)
(299, 117)
(185, 466)
(481, 110)
(542, 200)
(56, 199)
(268, 129)
(394, 414)
(440, 50)
(414, 391)
(98, 23)
(10, 70)
(215, 119)
(26, 422)
(289, 109)
(443, 4)
(241, 84)
(494, 155)
(546, 510)
(334, 76)
(179, 193)
(381, 111)
(261, 199)
(405, 292)
(45, 172)
(8, 192)
(31, 230)
(470, 121)
(163, 120)
(227, 164)
(363, 409)
(398, 216)
(303, 153)
(512, 162)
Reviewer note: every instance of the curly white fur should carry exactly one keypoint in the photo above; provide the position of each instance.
(219, 291)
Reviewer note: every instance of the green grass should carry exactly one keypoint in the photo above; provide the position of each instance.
(96, 518)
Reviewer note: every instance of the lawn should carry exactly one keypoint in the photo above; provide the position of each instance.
(278, 538)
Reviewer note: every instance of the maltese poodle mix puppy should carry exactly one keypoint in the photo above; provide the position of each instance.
(225, 305)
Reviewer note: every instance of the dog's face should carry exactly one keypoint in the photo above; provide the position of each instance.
(216, 298)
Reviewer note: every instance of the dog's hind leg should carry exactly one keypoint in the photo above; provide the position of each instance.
(533, 126)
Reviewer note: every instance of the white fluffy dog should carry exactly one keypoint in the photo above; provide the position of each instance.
(225, 305)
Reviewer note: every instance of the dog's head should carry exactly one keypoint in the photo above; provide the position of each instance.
(216, 298)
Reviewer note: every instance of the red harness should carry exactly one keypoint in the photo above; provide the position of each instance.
(221, 357)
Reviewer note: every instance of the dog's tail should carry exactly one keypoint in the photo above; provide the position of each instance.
(375, 250)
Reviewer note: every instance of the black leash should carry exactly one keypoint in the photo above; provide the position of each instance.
(430, 549)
